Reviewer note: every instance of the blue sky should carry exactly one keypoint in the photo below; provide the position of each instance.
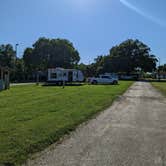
(94, 26)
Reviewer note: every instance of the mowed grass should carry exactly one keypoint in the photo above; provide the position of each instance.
(161, 86)
(33, 117)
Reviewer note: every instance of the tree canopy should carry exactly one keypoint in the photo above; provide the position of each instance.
(162, 68)
(128, 57)
(7, 56)
(47, 53)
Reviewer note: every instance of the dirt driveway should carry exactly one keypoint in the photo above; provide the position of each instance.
(132, 132)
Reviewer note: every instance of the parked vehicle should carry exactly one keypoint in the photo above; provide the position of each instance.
(60, 75)
(104, 79)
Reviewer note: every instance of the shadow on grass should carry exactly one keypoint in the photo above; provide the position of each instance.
(7, 164)
(67, 84)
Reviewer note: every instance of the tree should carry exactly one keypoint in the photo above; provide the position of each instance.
(63, 54)
(132, 54)
(47, 53)
(127, 57)
(162, 68)
(29, 60)
(7, 56)
(19, 70)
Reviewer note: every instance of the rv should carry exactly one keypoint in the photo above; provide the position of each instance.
(60, 75)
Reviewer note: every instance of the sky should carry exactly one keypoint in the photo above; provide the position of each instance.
(93, 26)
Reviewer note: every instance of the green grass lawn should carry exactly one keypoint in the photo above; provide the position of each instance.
(160, 86)
(33, 117)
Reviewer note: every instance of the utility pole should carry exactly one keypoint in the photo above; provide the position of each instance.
(159, 69)
(16, 48)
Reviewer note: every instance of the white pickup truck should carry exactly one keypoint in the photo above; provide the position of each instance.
(104, 79)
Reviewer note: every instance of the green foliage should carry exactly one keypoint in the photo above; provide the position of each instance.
(29, 60)
(50, 53)
(33, 117)
(127, 57)
(7, 56)
(162, 68)
(19, 70)
(133, 54)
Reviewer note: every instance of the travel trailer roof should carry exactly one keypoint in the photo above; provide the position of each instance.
(62, 69)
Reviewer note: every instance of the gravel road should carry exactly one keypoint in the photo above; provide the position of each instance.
(132, 132)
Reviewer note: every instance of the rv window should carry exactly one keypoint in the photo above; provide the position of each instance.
(53, 75)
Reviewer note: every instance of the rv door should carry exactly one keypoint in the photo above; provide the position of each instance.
(70, 76)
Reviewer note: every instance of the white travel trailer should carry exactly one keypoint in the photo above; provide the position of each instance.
(60, 75)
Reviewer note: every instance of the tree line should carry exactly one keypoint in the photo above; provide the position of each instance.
(45, 53)
(128, 57)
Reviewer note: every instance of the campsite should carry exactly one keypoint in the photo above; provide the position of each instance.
(83, 83)
(33, 116)
(42, 103)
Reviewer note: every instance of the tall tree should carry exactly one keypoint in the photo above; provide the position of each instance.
(128, 57)
(134, 54)
(29, 60)
(51, 53)
(19, 70)
(162, 68)
(7, 56)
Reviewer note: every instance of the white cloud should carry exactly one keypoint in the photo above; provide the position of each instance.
(143, 13)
